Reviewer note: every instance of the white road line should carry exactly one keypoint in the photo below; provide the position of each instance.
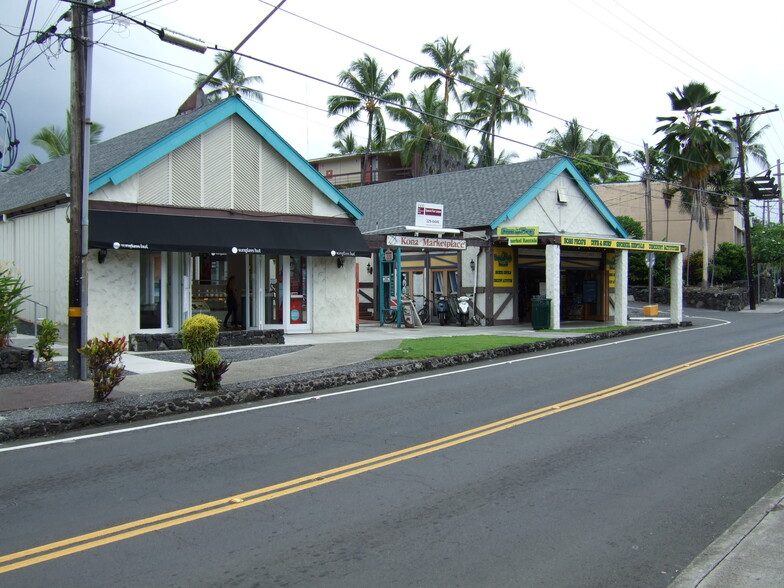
(133, 429)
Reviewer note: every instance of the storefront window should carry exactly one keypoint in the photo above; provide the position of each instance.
(150, 290)
(272, 302)
(298, 290)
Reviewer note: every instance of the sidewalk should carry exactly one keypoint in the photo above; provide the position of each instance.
(749, 553)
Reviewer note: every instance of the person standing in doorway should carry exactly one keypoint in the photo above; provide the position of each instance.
(231, 304)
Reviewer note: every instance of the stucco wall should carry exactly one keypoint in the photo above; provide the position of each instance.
(113, 294)
(334, 295)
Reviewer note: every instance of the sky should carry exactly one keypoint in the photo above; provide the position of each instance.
(607, 63)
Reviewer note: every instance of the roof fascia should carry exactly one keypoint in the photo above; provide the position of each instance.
(564, 164)
(199, 125)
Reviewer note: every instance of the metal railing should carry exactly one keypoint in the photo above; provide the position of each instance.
(37, 318)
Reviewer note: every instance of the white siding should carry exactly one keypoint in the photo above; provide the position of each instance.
(577, 216)
(37, 247)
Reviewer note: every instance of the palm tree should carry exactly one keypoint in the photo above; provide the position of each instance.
(496, 99)
(371, 93)
(597, 159)
(427, 139)
(752, 148)
(56, 142)
(695, 143)
(230, 81)
(451, 64)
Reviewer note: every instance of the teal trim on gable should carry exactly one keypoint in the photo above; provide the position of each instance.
(563, 164)
(198, 126)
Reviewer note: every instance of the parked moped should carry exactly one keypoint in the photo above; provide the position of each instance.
(442, 308)
(463, 309)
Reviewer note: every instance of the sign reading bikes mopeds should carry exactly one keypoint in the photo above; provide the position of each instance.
(425, 242)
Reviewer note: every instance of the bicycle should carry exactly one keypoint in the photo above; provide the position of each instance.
(424, 312)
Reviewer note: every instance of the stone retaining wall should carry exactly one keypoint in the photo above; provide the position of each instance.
(14, 359)
(105, 413)
(169, 341)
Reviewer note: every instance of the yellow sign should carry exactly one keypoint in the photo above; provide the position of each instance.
(503, 268)
(520, 235)
(621, 244)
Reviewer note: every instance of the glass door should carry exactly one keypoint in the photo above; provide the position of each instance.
(298, 315)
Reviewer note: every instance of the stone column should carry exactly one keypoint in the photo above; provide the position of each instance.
(676, 288)
(622, 288)
(553, 283)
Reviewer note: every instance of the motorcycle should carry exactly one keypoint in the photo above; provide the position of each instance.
(442, 308)
(463, 309)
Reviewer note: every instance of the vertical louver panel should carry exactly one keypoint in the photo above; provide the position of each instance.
(217, 167)
(274, 185)
(154, 183)
(246, 167)
(300, 197)
(186, 174)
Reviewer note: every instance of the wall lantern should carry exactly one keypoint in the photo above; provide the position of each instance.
(370, 268)
(101, 255)
(473, 265)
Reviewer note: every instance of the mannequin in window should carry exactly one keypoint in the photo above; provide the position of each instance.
(231, 304)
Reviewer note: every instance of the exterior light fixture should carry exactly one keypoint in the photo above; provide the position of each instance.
(370, 268)
(340, 261)
(101, 255)
(473, 265)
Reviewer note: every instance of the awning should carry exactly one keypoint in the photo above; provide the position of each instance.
(163, 232)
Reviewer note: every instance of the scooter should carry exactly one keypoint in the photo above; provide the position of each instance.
(442, 308)
(463, 308)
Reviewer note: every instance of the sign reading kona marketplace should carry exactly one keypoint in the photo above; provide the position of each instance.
(425, 242)
(520, 235)
(621, 244)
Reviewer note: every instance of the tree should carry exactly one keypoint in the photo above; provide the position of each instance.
(451, 64)
(372, 94)
(56, 142)
(695, 143)
(230, 81)
(767, 243)
(427, 137)
(494, 100)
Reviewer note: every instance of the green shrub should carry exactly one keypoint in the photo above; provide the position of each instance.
(730, 263)
(199, 334)
(11, 299)
(207, 374)
(48, 334)
(104, 362)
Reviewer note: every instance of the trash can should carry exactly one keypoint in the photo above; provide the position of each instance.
(540, 312)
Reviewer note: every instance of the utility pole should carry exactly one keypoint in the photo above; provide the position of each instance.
(81, 72)
(745, 204)
(651, 261)
(77, 279)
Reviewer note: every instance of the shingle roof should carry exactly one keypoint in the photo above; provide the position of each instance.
(51, 180)
(471, 198)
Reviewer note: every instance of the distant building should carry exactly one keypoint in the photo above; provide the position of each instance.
(628, 199)
(345, 171)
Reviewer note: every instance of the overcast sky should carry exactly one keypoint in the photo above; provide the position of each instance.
(607, 63)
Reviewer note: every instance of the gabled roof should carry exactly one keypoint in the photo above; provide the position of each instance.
(482, 197)
(117, 159)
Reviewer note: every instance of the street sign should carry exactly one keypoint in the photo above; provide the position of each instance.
(650, 259)
(389, 255)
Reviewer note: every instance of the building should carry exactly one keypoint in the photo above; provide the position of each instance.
(669, 223)
(509, 233)
(175, 209)
(344, 171)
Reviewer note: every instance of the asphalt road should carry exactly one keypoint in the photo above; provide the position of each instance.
(605, 465)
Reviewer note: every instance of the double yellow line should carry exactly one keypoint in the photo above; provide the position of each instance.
(117, 533)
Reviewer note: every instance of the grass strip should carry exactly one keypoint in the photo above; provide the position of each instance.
(457, 345)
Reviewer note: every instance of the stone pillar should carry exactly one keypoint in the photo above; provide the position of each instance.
(676, 288)
(621, 288)
(553, 283)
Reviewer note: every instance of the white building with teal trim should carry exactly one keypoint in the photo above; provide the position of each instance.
(177, 208)
(576, 253)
